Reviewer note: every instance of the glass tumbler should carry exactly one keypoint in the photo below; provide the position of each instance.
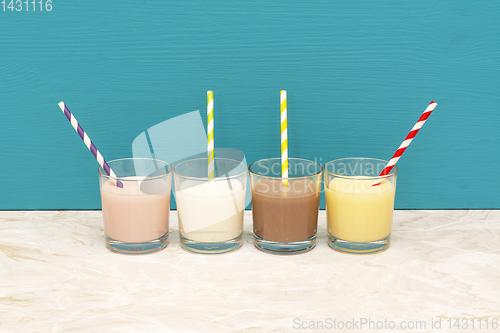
(136, 216)
(210, 210)
(285, 210)
(359, 204)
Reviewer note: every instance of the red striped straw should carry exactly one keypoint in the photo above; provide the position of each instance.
(407, 141)
(83, 135)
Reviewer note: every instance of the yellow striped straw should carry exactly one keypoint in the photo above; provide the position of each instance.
(284, 137)
(210, 133)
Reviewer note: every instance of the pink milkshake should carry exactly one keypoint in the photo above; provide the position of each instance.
(136, 214)
(133, 216)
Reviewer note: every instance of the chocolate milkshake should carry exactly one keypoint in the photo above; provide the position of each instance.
(285, 212)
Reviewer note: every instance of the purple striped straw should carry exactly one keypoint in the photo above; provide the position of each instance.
(89, 143)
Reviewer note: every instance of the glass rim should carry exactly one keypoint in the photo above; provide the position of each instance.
(290, 178)
(207, 178)
(123, 179)
(393, 172)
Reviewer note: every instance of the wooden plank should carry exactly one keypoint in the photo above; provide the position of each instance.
(357, 74)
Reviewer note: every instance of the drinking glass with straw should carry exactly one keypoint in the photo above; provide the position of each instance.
(360, 200)
(285, 198)
(135, 216)
(90, 145)
(210, 197)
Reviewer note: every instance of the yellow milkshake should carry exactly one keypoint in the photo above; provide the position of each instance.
(357, 211)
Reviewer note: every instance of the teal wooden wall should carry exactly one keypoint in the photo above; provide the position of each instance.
(358, 75)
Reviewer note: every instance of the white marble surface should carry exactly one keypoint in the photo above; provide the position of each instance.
(57, 276)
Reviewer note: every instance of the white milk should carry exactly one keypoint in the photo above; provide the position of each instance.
(211, 211)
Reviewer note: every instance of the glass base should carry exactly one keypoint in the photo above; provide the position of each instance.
(285, 248)
(211, 247)
(343, 246)
(137, 248)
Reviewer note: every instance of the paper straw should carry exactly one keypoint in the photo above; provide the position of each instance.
(407, 140)
(89, 143)
(210, 134)
(284, 137)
